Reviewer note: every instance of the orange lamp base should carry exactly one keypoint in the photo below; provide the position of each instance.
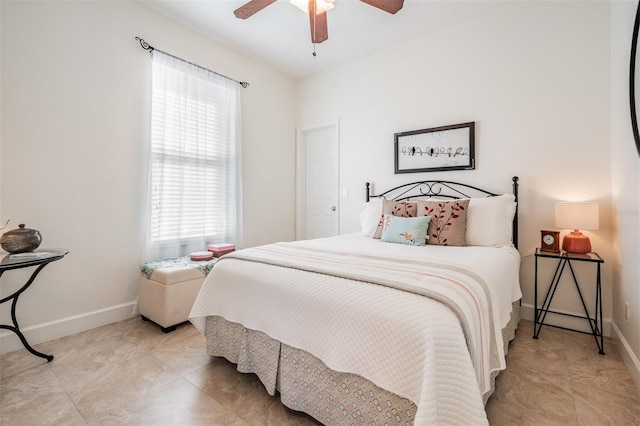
(576, 242)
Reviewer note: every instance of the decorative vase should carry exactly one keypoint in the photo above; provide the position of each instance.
(20, 240)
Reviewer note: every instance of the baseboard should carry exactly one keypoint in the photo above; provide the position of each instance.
(626, 353)
(55, 329)
(527, 313)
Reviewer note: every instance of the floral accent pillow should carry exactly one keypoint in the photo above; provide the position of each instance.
(395, 208)
(448, 221)
(405, 230)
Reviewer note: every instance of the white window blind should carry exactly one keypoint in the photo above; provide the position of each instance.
(193, 189)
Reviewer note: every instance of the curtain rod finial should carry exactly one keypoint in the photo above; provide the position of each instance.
(144, 44)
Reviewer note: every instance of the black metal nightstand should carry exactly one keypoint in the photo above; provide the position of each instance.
(565, 259)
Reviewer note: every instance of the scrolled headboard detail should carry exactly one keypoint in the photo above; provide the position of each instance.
(443, 189)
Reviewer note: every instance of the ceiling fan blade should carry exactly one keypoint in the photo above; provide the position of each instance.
(391, 6)
(248, 9)
(318, 23)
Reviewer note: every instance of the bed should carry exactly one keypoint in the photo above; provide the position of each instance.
(405, 322)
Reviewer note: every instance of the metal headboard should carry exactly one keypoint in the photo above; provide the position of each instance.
(443, 189)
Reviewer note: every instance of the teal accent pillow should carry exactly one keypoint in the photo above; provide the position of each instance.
(405, 230)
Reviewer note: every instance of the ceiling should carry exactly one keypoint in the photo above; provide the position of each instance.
(279, 34)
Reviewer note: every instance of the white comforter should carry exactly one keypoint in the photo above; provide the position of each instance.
(408, 344)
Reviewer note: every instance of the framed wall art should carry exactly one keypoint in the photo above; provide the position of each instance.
(436, 149)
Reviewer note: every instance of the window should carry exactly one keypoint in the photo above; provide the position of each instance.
(194, 190)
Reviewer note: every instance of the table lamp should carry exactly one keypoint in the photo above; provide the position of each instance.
(576, 216)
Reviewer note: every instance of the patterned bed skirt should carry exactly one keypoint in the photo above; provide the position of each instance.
(306, 384)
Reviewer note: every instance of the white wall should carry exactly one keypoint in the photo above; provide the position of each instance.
(534, 76)
(625, 185)
(75, 111)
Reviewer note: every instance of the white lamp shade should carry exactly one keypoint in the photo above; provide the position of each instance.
(577, 215)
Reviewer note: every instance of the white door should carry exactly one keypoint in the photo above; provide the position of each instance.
(317, 182)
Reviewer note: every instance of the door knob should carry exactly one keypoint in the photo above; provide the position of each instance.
(333, 208)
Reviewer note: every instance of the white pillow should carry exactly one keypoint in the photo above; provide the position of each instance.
(370, 217)
(490, 221)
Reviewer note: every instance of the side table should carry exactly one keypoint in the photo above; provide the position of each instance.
(39, 258)
(565, 259)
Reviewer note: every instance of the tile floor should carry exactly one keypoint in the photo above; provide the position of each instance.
(130, 373)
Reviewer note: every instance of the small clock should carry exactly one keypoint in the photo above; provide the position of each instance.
(550, 241)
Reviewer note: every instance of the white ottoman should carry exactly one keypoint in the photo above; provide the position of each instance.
(168, 294)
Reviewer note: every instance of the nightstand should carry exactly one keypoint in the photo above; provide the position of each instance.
(567, 259)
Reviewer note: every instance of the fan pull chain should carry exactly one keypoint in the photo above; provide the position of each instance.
(314, 49)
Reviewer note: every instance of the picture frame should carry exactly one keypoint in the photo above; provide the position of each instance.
(436, 149)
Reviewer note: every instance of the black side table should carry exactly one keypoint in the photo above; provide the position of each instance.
(566, 259)
(39, 258)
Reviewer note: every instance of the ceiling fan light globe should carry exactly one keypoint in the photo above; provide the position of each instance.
(321, 5)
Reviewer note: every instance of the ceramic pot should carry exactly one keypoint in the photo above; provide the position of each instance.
(20, 240)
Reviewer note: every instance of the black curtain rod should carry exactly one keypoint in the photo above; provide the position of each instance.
(147, 46)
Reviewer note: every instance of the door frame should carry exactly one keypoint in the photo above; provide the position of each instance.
(301, 173)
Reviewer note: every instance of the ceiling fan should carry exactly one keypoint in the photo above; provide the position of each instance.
(317, 13)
